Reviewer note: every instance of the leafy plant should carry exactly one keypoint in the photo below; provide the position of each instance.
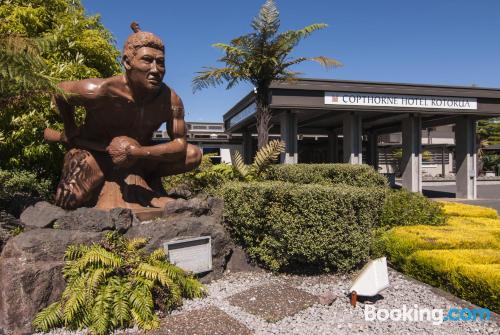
(302, 227)
(20, 189)
(326, 174)
(403, 208)
(41, 40)
(206, 177)
(259, 58)
(113, 285)
(264, 157)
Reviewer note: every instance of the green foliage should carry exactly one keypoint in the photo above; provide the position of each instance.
(21, 188)
(294, 227)
(209, 177)
(44, 40)
(114, 285)
(205, 178)
(22, 67)
(263, 159)
(403, 208)
(326, 174)
(491, 161)
(259, 58)
(489, 130)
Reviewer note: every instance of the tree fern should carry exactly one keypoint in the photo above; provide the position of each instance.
(239, 164)
(114, 285)
(267, 154)
(263, 158)
(259, 58)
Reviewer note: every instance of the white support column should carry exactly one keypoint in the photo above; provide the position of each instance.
(353, 150)
(412, 153)
(288, 125)
(465, 154)
(373, 149)
(247, 146)
(332, 153)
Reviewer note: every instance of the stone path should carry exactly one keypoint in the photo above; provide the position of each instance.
(261, 303)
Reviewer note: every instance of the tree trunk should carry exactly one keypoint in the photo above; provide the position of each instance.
(263, 116)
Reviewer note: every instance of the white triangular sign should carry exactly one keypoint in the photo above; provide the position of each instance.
(373, 278)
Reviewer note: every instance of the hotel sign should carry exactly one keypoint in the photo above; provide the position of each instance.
(395, 100)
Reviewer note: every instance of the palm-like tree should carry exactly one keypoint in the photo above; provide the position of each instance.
(260, 58)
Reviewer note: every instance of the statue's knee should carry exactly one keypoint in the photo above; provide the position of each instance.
(194, 155)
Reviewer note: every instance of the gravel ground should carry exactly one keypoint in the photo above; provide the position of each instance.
(340, 317)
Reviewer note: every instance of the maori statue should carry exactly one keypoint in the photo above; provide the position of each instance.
(111, 160)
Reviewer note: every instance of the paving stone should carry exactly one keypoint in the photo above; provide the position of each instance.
(205, 321)
(273, 302)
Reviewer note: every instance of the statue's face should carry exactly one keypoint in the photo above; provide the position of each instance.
(147, 68)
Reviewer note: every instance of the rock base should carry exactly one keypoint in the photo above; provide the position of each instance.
(31, 262)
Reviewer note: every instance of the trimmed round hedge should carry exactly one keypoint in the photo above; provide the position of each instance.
(326, 174)
(303, 228)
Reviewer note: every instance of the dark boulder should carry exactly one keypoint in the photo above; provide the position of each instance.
(45, 215)
(41, 215)
(91, 219)
(190, 218)
(31, 277)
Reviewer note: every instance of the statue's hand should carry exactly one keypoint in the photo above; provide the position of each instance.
(119, 150)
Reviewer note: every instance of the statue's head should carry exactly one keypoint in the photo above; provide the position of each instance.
(144, 59)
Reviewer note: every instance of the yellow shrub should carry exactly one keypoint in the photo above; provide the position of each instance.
(471, 222)
(473, 275)
(459, 209)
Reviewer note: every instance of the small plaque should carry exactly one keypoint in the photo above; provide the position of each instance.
(191, 254)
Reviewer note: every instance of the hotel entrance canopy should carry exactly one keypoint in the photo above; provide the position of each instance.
(357, 109)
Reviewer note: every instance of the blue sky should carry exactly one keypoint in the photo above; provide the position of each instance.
(451, 42)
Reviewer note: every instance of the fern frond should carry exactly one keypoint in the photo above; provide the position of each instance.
(326, 62)
(157, 255)
(49, 318)
(136, 244)
(74, 252)
(95, 278)
(121, 308)
(100, 257)
(159, 275)
(267, 155)
(240, 165)
(74, 299)
(142, 304)
(100, 312)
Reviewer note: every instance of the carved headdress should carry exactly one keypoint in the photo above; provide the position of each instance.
(141, 39)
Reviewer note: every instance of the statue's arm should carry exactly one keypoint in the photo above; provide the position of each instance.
(176, 148)
(76, 94)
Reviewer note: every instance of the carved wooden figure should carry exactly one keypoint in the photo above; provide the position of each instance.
(111, 160)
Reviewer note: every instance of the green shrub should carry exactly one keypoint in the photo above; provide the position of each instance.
(205, 178)
(19, 189)
(326, 174)
(302, 228)
(113, 285)
(473, 275)
(403, 208)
